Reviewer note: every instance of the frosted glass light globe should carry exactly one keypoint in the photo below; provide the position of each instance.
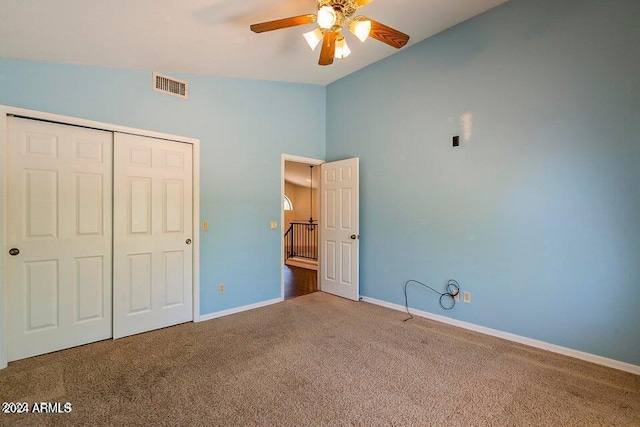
(326, 17)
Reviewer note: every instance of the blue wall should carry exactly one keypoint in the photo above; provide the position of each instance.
(537, 213)
(244, 126)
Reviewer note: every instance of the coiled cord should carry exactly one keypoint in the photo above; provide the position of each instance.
(452, 289)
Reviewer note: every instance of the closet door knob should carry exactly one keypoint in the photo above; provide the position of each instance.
(14, 251)
(188, 241)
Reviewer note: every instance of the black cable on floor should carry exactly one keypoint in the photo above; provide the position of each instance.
(452, 289)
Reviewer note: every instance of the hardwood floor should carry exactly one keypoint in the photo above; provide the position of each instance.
(299, 281)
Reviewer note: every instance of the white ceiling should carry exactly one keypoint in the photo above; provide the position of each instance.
(210, 37)
(299, 174)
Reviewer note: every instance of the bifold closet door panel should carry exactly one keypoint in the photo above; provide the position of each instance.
(59, 227)
(153, 211)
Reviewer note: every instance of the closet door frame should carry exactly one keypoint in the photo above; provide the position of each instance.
(73, 121)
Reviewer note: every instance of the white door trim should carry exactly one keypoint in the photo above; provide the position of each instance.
(74, 121)
(290, 158)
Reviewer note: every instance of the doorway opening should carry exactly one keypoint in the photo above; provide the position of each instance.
(300, 220)
(336, 220)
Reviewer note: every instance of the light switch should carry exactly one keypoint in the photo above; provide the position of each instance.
(205, 225)
(273, 225)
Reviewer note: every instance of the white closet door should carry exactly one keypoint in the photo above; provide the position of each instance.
(59, 219)
(153, 285)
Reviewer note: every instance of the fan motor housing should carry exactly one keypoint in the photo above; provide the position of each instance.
(346, 7)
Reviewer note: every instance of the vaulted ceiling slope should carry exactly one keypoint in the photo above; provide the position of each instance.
(209, 37)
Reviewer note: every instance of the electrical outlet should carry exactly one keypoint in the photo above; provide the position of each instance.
(205, 225)
(221, 288)
(273, 224)
(466, 296)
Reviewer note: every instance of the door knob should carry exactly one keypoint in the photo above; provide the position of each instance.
(354, 237)
(188, 241)
(14, 251)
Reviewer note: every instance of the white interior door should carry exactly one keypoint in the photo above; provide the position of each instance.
(153, 226)
(339, 228)
(59, 219)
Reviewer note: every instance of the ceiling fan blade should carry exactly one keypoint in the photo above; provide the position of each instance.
(328, 48)
(283, 23)
(361, 3)
(388, 35)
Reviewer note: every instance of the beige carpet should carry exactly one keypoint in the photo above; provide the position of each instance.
(318, 360)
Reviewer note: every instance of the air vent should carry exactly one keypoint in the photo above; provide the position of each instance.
(170, 86)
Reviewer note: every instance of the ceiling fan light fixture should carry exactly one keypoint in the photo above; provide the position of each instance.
(313, 38)
(342, 50)
(360, 28)
(326, 17)
(333, 18)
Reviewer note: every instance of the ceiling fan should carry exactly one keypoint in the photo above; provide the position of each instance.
(332, 16)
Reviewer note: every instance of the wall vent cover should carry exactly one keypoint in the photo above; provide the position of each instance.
(170, 85)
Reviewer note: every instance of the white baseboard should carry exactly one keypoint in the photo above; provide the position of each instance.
(223, 313)
(604, 361)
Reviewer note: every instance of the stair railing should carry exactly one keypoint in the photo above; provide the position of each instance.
(301, 240)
